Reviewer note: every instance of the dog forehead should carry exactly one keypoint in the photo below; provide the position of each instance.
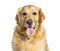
(30, 8)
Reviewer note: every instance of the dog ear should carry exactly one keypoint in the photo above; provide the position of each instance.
(41, 16)
(17, 18)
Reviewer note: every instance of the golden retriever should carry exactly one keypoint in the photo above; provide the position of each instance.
(29, 34)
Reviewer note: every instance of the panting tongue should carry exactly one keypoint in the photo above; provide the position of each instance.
(29, 31)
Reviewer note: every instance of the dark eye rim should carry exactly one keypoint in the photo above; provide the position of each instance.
(24, 13)
(34, 13)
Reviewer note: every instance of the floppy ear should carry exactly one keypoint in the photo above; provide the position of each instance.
(41, 16)
(18, 16)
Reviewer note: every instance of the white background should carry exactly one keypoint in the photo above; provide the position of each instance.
(51, 9)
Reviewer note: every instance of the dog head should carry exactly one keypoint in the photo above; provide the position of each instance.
(28, 17)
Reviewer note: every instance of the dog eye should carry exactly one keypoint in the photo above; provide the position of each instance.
(24, 13)
(34, 13)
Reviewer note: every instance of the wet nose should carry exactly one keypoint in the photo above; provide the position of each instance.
(29, 22)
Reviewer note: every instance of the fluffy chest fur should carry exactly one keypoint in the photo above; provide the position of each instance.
(32, 46)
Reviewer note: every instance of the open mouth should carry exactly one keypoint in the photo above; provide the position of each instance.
(29, 30)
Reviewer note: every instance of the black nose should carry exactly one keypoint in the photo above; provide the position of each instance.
(29, 22)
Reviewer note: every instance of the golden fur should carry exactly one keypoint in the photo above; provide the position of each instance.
(35, 42)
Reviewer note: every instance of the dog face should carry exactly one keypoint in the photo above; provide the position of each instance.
(29, 16)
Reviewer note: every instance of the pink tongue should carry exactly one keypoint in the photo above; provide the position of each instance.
(29, 31)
